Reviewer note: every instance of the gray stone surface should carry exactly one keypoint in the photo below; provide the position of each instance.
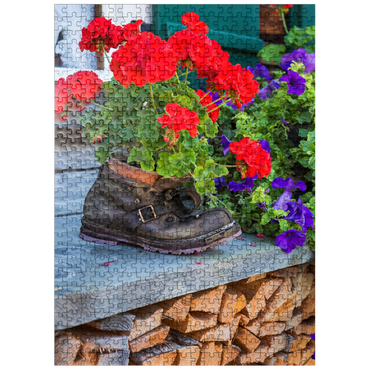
(86, 290)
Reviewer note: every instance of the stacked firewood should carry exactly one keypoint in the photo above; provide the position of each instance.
(266, 319)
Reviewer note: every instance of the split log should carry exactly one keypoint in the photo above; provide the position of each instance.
(227, 305)
(303, 284)
(294, 358)
(276, 343)
(66, 348)
(295, 320)
(306, 326)
(271, 328)
(176, 308)
(308, 352)
(295, 343)
(256, 277)
(159, 355)
(281, 305)
(286, 272)
(194, 321)
(97, 340)
(245, 340)
(208, 300)
(257, 294)
(244, 320)
(233, 328)
(119, 358)
(279, 359)
(186, 356)
(122, 322)
(149, 339)
(254, 327)
(220, 332)
(182, 339)
(146, 319)
(229, 354)
(308, 305)
(210, 354)
(310, 362)
(258, 356)
(87, 359)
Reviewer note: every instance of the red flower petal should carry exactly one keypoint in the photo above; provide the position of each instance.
(261, 236)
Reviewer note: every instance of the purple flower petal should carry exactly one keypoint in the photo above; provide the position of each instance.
(265, 145)
(247, 184)
(260, 71)
(289, 240)
(289, 186)
(215, 97)
(219, 182)
(309, 63)
(299, 214)
(285, 122)
(225, 144)
(296, 83)
(298, 56)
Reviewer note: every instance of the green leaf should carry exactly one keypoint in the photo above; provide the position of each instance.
(265, 219)
(143, 156)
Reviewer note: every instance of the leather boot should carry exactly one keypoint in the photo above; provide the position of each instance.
(127, 204)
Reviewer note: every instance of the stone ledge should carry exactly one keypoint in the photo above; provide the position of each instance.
(86, 290)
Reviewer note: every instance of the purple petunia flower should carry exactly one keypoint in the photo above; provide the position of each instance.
(219, 181)
(309, 63)
(225, 144)
(241, 109)
(288, 240)
(299, 214)
(315, 337)
(298, 56)
(265, 145)
(266, 92)
(247, 184)
(260, 71)
(296, 83)
(289, 186)
(200, 136)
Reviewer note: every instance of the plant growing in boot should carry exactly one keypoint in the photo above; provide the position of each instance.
(165, 126)
(150, 109)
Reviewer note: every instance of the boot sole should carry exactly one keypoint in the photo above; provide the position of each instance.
(95, 234)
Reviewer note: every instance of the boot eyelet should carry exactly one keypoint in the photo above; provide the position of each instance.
(137, 200)
(169, 219)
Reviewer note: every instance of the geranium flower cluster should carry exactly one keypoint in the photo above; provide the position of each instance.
(144, 58)
(101, 35)
(207, 101)
(251, 158)
(177, 119)
(74, 92)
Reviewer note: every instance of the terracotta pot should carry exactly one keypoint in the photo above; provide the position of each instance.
(118, 164)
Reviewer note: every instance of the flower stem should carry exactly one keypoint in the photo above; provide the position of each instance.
(186, 74)
(227, 165)
(226, 101)
(151, 93)
(106, 55)
(282, 16)
(183, 74)
(177, 76)
(101, 106)
(205, 95)
(215, 101)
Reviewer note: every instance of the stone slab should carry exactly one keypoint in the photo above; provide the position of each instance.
(86, 290)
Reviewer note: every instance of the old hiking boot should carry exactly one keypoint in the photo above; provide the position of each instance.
(127, 204)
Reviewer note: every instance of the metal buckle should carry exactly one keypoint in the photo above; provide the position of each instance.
(142, 217)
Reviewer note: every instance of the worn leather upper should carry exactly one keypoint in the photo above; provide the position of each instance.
(156, 212)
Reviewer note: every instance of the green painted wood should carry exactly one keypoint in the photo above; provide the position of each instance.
(302, 15)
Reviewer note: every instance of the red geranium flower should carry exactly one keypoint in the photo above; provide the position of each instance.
(64, 100)
(192, 22)
(237, 82)
(84, 85)
(180, 43)
(251, 158)
(101, 35)
(287, 6)
(208, 100)
(177, 119)
(144, 58)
